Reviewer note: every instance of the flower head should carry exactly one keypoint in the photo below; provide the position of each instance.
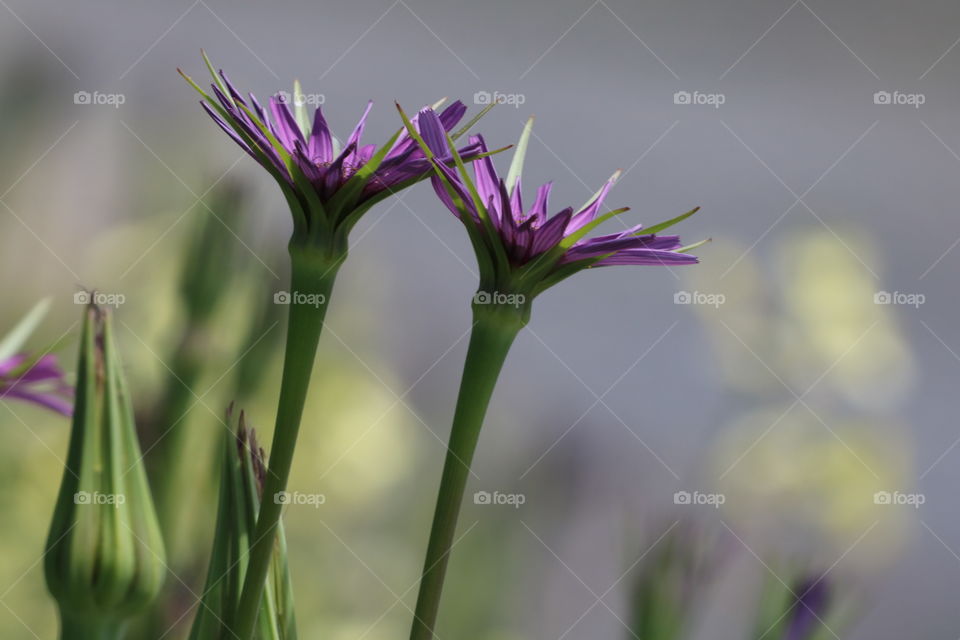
(38, 380)
(526, 250)
(327, 187)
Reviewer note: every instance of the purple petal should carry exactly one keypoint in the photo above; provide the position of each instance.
(334, 172)
(258, 108)
(552, 232)
(407, 148)
(645, 257)
(539, 210)
(11, 363)
(233, 91)
(287, 130)
(458, 188)
(320, 146)
(46, 368)
(508, 223)
(601, 246)
(358, 130)
(365, 153)
(310, 169)
(452, 115)
(487, 180)
(523, 240)
(589, 212)
(431, 130)
(227, 128)
(47, 400)
(516, 203)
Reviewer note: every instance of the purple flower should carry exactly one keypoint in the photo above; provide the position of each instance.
(326, 186)
(40, 381)
(526, 249)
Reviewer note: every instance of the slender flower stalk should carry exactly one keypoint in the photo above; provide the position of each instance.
(328, 189)
(37, 380)
(521, 253)
(104, 561)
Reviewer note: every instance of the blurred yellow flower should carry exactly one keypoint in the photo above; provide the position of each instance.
(812, 487)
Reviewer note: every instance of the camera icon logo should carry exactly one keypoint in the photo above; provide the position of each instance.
(682, 297)
(682, 497)
(682, 97)
(281, 497)
(882, 297)
(482, 297)
(81, 297)
(281, 297)
(81, 497)
(82, 97)
(882, 97)
(882, 497)
(482, 97)
(482, 497)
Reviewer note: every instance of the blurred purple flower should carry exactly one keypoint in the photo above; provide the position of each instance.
(812, 605)
(41, 382)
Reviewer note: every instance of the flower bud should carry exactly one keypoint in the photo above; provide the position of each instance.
(241, 489)
(670, 581)
(104, 559)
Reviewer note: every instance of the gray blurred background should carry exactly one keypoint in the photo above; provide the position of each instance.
(797, 396)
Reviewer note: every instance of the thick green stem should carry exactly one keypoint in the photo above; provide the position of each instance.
(494, 330)
(88, 628)
(312, 278)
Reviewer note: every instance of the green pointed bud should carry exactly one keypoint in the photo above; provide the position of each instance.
(210, 263)
(104, 559)
(670, 581)
(243, 472)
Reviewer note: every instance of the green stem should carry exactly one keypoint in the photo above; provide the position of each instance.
(494, 330)
(313, 273)
(89, 628)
